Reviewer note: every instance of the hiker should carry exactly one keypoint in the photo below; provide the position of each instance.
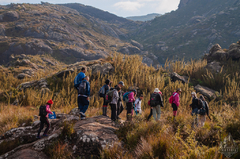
(83, 97)
(156, 102)
(78, 79)
(138, 103)
(175, 101)
(203, 111)
(105, 89)
(114, 102)
(119, 104)
(150, 115)
(195, 105)
(43, 113)
(129, 98)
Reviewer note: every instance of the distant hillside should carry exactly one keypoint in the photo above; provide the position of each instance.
(191, 30)
(144, 17)
(63, 32)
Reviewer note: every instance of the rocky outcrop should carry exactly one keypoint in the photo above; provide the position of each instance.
(216, 53)
(234, 51)
(89, 137)
(207, 92)
(102, 69)
(9, 16)
(214, 67)
(33, 84)
(137, 44)
(130, 50)
(183, 3)
(22, 76)
(176, 77)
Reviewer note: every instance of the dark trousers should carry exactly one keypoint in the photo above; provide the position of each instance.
(119, 108)
(44, 120)
(114, 111)
(150, 115)
(129, 107)
(83, 104)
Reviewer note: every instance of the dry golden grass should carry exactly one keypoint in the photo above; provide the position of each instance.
(164, 139)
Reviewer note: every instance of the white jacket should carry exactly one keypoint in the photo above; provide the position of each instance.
(138, 103)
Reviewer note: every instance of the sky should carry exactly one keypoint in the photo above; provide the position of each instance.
(123, 8)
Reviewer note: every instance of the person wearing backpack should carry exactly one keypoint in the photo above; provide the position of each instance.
(175, 101)
(138, 104)
(150, 115)
(156, 102)
(114, 102)
(83, 97)
(119, 104)
(196, 104)
(203, 111)
(105, 89)
(78, 79)
(129, 98)
(43, 113)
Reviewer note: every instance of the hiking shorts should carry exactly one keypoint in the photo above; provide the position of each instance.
(174, 106)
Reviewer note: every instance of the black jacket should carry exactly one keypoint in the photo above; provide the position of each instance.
(194, 103)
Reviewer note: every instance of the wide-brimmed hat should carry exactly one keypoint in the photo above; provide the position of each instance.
(156, 90)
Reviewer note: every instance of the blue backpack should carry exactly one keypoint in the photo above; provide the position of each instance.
(102, 92)
(125, 97)
(77, 80)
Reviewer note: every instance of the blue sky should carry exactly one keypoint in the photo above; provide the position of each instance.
(122, 8)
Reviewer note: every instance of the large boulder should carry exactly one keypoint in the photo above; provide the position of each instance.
(42, 83)
(176, 77)
(214, 67)
(93, 135)
(64, 74)
(207, 92)
(22, 76)
(9, 16)
(103, 69)
(216, 53)
(234, 51)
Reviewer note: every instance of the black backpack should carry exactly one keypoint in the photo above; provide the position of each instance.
(82, 88)
(154, 99)
(42, 111)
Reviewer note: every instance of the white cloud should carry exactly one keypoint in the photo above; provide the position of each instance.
(129, 6)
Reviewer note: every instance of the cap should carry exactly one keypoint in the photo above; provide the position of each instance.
(121, 82)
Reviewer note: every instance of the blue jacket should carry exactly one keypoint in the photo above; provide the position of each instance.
(87, 88)
(78, 79)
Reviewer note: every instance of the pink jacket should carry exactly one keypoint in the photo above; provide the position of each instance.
(48, 110)
(131, 97)
(176, 98)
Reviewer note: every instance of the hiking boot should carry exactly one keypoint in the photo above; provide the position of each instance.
(38, 137)
(83, 118)
(82, 114)
(45, 135)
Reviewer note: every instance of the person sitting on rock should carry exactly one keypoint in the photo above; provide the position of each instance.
(83, 97)
(44, 120)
